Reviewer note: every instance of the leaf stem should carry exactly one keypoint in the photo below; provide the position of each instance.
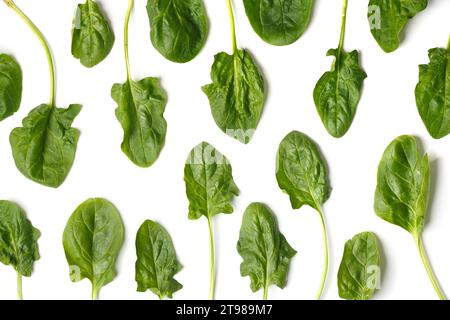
(428, 267)
(212, 277)
(48, 53)
(125, 37)
(19, 286)
(448, 43)
(325, 253)
(266, 291)
(343, 24)
(232, 24)
(94, 293)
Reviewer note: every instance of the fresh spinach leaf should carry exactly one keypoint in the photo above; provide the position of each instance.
(279, 22)
(10, 86)
(265, 251)
(433, 92)
(140, 111)
(179, 28)
(18, 241)
(388, 18)
(92, 240)
(302, 173)
(360, 271)
(210, 188)
(401, 195)
(236, 95)
(157, 261)
(92, 36)
(338, 91)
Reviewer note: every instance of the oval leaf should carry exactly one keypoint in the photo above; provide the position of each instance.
(10, 86)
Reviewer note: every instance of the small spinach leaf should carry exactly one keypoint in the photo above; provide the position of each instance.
(157, 261)
(179, 28)
(92, 240)
(265, 251)
(359, 272)
(10, 86)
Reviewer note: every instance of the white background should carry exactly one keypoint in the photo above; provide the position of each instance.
(387, 109)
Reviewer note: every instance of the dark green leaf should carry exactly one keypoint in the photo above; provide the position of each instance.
(265, 252)
(433, 93)
(18, 239)
(302, 172)
(338, 92)
(10, 86)
(387, 19)
(157, 261)
(359, 272)
(279, 22)
(236, 95)
(140, 111)
(179, 28)
(92, 36)
(210, 187)
(44, 148)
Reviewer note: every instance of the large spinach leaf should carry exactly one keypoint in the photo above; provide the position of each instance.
(359, 272)
(92, 36)
(10, 86)
(92, 240)
(265, 251)
(279, 22)
(302, 173)
(338, 91)
(388, 18)
(18, 241)
(236, 95)
(179, 28)
(157, 261)
(433, 93)
(401, 195)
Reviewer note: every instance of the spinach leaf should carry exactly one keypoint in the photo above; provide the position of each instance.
(92, 36)
(338, 91)
(44, 147)
(433, 93)
(10, 86)
(179, 28)
(265, 251)
(359, 272)
(210, 188)
(279, 22)
(302, 173)
(388, 18)
(18, 241)
(157, 261)
(92, 240)
(140, 111)
(236, 95)
(401, 195)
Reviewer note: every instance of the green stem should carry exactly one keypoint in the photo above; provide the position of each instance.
(125, 37)
(428, 268)
(266, 291)
(233, 28)
(343, 24)
(212, 277)
(19, 286)
(48, 53)
(94, 293)
(448, 44)
(325, 253)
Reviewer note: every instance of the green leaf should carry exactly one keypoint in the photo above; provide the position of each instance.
(236, 95)
(388, 18)
(179, 28)
(92, 36)
(433, 93)
(338, 92)
(302, 172)
(279, 22)
(18, 239)
(265, 252)
(402, 185)
(210, 187)
(157, 261)
(359, 272)
(44, 147)
(10, 86)
(92, 240)
(140, 111)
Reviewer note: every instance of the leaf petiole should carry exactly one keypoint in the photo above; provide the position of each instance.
(94, 294)
(232, 24)
(19, 286)
(125, 37)
(212, 277)
(343, 25)
(325, 253)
